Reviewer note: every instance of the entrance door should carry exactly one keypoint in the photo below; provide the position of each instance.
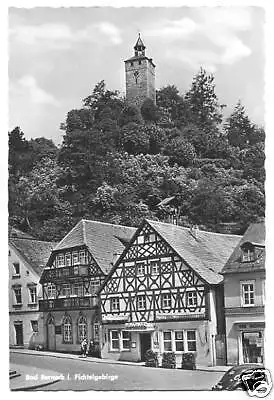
(19, 334)
(145, 340)
(51, 334)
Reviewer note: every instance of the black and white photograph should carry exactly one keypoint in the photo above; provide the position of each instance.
(136, 199)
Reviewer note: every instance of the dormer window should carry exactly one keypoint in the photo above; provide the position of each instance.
(248, 252)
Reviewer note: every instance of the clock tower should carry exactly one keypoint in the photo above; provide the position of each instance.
(140, 76)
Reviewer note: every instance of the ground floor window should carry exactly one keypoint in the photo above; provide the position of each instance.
(67, 330)
(120, 340)
(82, 328)
(253, 347)
(180, 341)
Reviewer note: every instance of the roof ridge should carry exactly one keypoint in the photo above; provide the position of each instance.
(108, 223)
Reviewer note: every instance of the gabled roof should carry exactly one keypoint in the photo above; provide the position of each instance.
(17, 233)
(102, 239)
(166, 201)
(255, 234)
(34, 252)
(206, 253)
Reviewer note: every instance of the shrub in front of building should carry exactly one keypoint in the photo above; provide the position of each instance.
(169, 360)
(189, 361)
(151, 359)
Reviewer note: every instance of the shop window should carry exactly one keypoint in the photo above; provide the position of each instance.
(114, 340)
(126, 339)
(34, 326)
(33, 295)
(248, 293)
(141, 302)
(18, 295)
(191, 340)
(253, 347)
(141, 269)
(114, 304)
(179, 340)
(166, 300)
(167, 341)
(67, 330)
(192, 299)
(82, 328)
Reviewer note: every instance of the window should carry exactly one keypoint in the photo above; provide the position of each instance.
(114, 304)
(60, 260)
(18, 295)
(82, 328)
(167, 341)
(16, 267)
(146, 237)
(67, 330)
(154, 267)
(141, 302)
(66, 290)
(33, 295)
(248, 293)
(68, 259)
(126, 339)
(96, 330)
(78, 289)
(140, 62)
(191, 340)
(141, 269)
(83, 257)
(114, 340)
(51, 291)
(75, 258)
(166, 300)
(179, 340)
(191, 299)
(94, 286)
(248, 255)
(34, 326)
(131, 63)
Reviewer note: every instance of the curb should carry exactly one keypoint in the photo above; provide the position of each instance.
(34, 386)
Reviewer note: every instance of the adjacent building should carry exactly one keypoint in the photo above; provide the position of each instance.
(165, 293)
(140, 76)
(244, 294)
(75, 270)
(26, 260)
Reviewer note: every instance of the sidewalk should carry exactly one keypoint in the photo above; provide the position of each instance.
(218, 368)
(31, 377)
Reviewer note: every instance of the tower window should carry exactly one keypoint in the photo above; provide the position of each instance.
(140, 62)
(131, 63)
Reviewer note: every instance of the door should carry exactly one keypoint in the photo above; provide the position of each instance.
(19, 334)
(220, 349)
(51, 334)
(145, 341)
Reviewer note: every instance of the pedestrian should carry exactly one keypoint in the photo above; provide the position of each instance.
(84, 347)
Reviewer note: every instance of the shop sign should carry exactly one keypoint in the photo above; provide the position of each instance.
(114, 318)
(139, 326)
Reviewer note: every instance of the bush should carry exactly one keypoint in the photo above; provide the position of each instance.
(189, 361)
(151, 359)
(169, 360)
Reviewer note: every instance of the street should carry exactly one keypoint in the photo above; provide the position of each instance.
(83, 375)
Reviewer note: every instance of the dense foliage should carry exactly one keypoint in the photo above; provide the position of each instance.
(116, 163)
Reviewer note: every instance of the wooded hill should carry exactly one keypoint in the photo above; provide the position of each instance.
(117, 163)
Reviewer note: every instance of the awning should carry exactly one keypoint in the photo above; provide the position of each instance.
(139, 327)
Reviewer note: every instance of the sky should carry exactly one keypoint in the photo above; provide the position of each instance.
(57, 55)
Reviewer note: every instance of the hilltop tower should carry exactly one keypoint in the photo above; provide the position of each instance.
(140, 76)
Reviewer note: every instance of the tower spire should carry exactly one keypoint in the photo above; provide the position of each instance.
(139, 48)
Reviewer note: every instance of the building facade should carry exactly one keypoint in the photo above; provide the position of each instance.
(165, 293)
(244, 292)
(140, 76)
(76, 268)
(26, 260)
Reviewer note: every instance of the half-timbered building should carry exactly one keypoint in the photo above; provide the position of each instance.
(244, 291)
(76, 268)
(165, 293)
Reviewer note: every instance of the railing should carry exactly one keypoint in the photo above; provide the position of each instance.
(60, 273)
(68, 303)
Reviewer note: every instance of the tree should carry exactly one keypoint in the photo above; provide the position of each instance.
(149, 111)
(134, 139)
(180, 151)
(130, 114)
(203, 102)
